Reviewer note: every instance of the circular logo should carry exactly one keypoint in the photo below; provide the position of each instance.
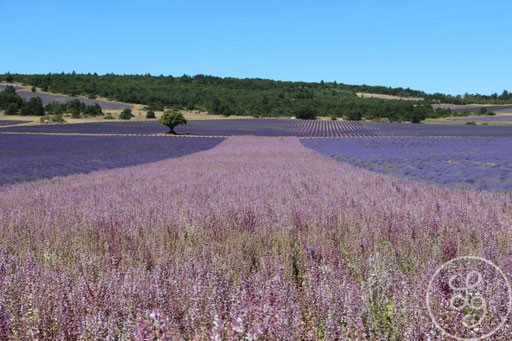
(469, 298)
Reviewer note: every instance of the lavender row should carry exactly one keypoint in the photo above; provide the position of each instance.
(11, 122)
(257, 238)
(505, 118)
(474, 108)
(455, 130)
(263, 127)
(476, 163)
(276, 127)
(94, 128)
(50, 98)
(29, 157)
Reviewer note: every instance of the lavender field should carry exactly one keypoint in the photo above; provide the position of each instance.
(257, 127)
(11, 122)
(33, 157)
(504, 118)
(49, 98)
(256, 238)
(275, 127)
(475, 163)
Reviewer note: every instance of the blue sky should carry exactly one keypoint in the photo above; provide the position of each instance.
(451, 46)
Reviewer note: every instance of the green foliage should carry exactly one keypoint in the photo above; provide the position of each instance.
(75, 107)
(172, 119)
(155, 107)
(354, 114)
(471, 123)
(150, 114)
(108, 116)
(93, 110)
(218, 107)
(54, 108)
(9, 99)
(420, 113)
(126, 114)
(253, 97)
(33, 89)
(52, 119)
(12, 109)
(306, 112)
(33, 107)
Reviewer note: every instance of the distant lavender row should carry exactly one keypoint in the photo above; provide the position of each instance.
(425, 130)
(49, 98)
(477, 163)
(506, 118)
(11, 122)
(257, 127)
(474, 108)
(276, 127)
(94, 128)
(33, 157)
(3, 86)
(255, 239)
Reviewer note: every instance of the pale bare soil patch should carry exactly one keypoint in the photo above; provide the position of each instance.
(368, 95)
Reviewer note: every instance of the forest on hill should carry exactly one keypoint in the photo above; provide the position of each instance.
(255, 97)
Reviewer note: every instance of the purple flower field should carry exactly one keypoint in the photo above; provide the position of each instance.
(276, 127)
(94, 128)
(257, 127)
(257, 238)
(11, 122)
(474, 108)
(505, 118)
(49, 98)
(476, 163)
(33, 157)
(440, 130)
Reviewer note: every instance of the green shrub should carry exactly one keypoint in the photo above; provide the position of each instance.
(126, 114)
(306, 113)
(52, 119)
(150, 114)
(33, 107)
(12, 109)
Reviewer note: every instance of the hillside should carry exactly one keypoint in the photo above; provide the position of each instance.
(254, 97)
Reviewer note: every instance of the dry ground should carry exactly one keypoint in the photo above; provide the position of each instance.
(368, 95)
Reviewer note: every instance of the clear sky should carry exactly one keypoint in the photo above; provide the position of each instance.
(451, 46)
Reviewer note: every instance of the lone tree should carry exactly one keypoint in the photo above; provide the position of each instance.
(172, 119)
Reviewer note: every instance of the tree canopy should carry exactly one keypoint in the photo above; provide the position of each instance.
(172, 119)
(256, 97)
